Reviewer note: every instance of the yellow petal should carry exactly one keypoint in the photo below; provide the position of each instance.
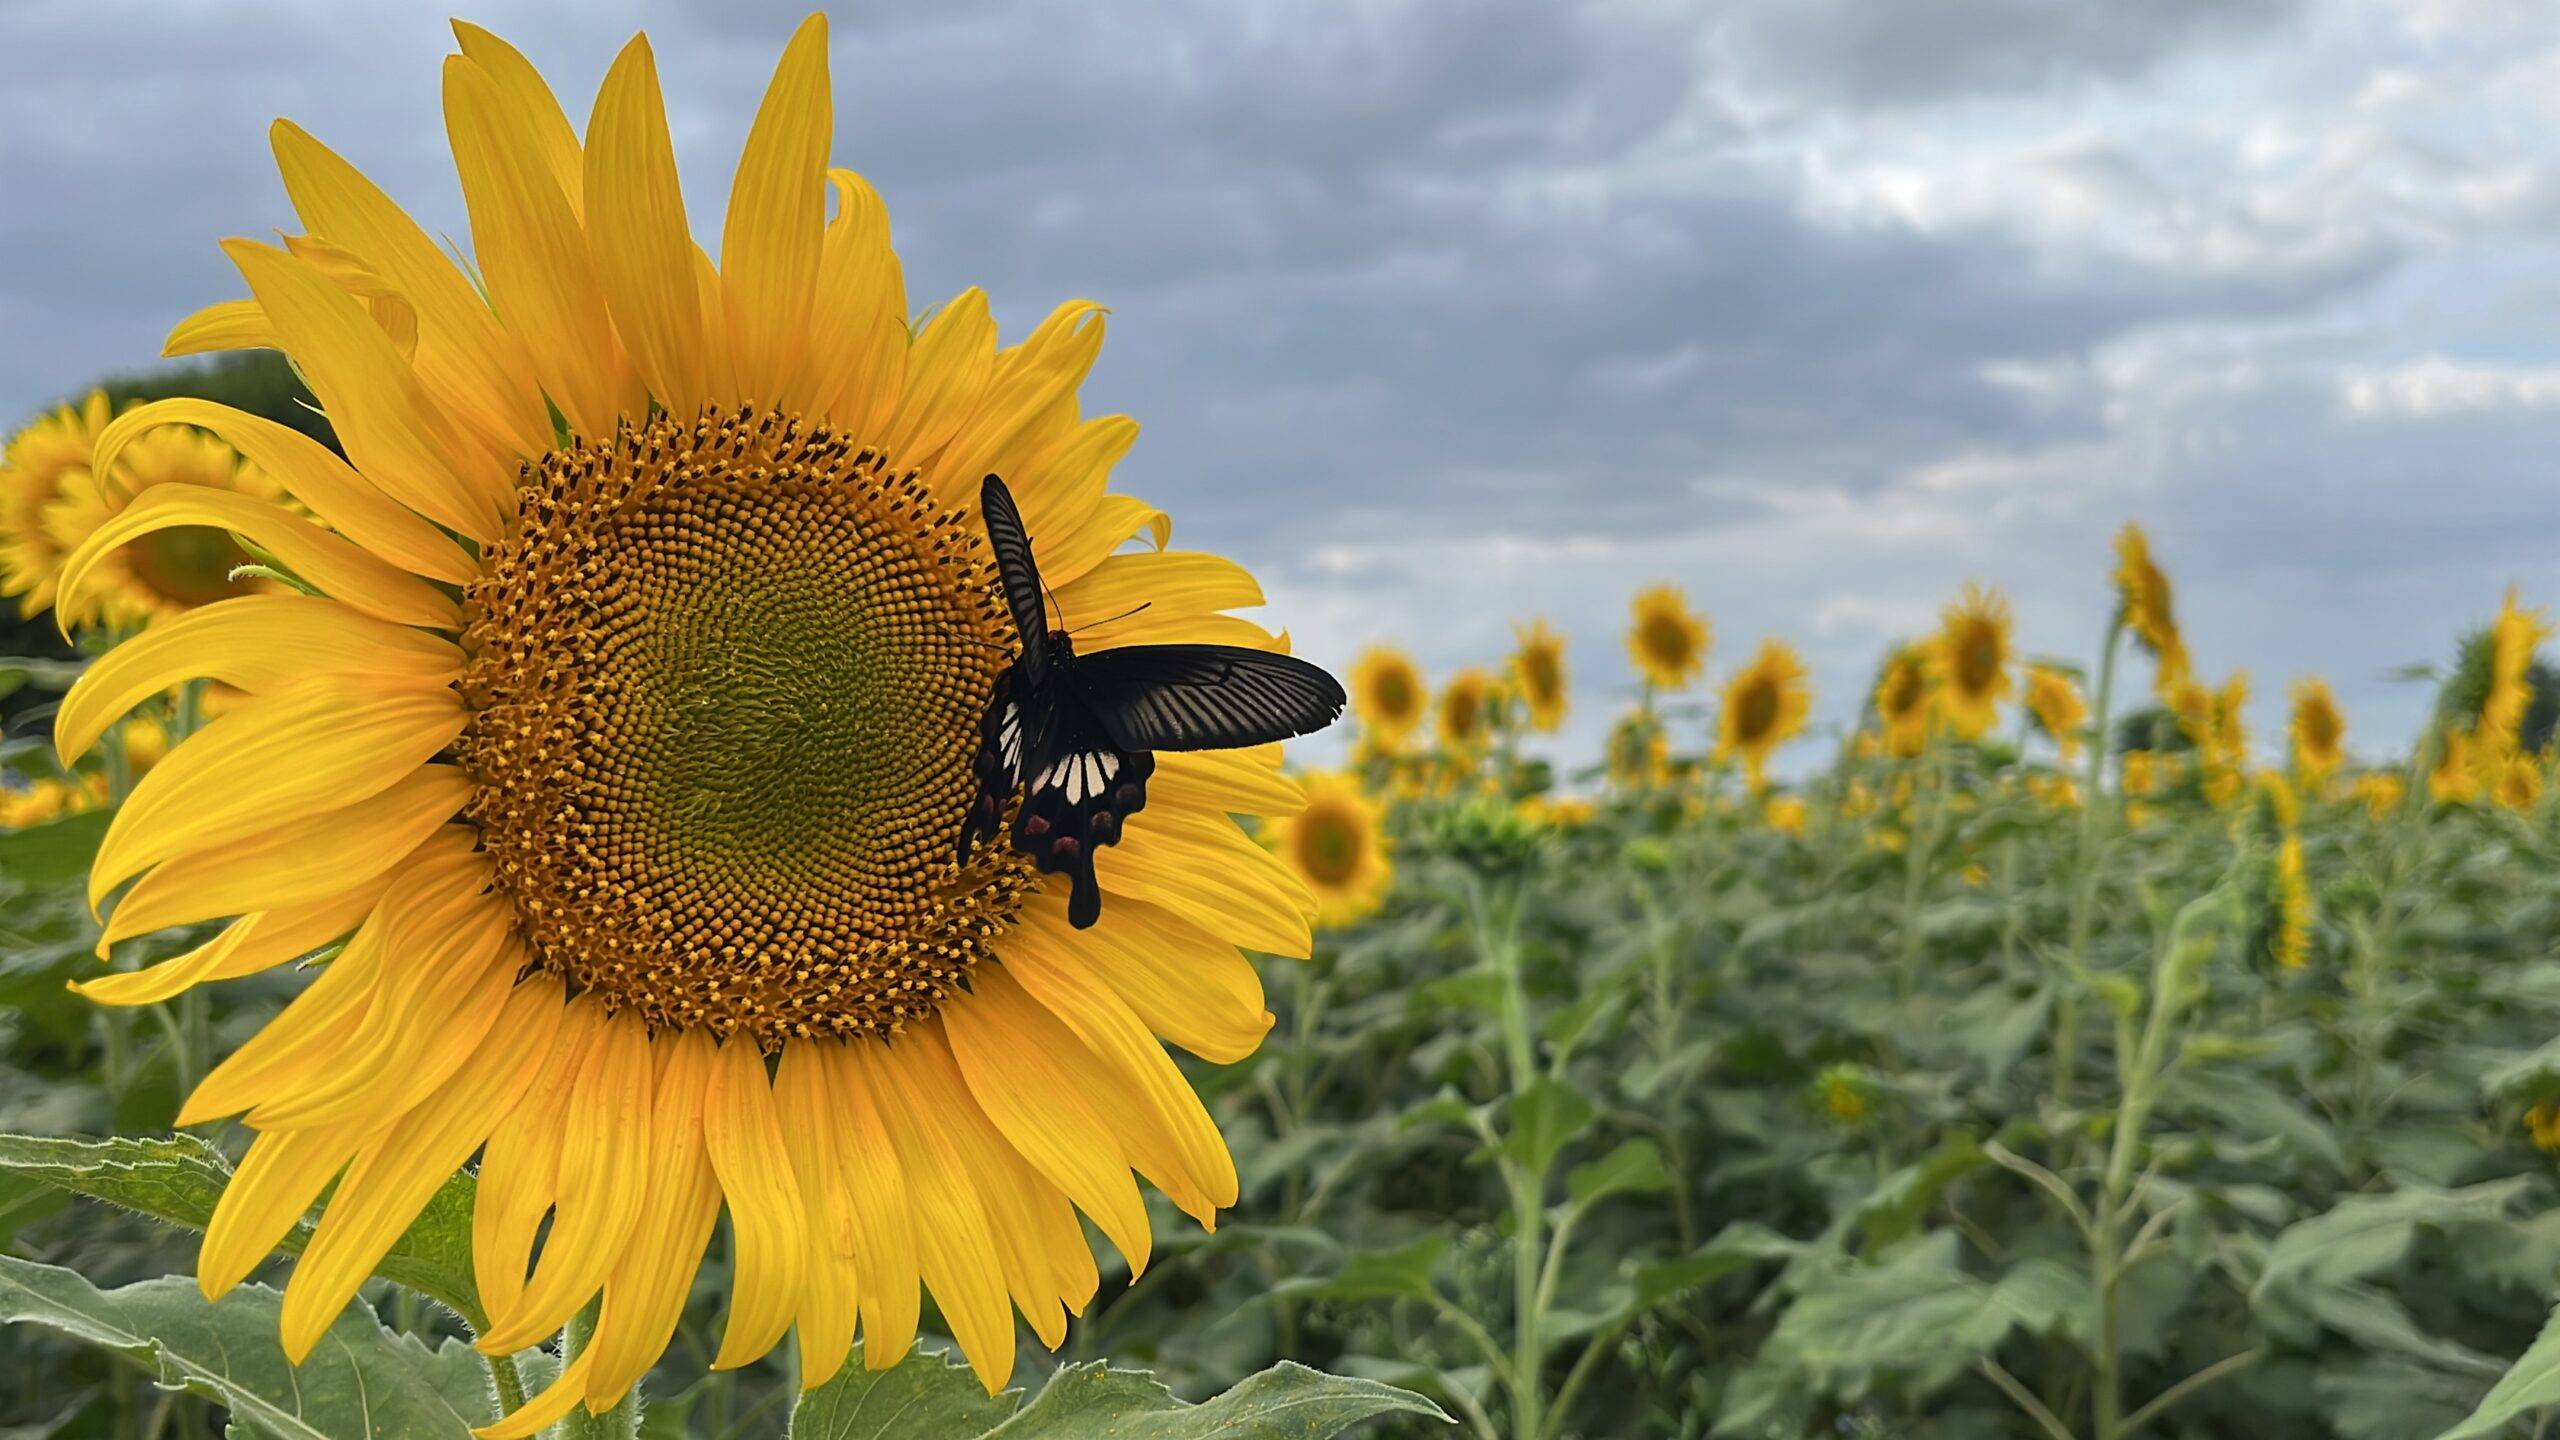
(1230, 781)
(544, 1410)
(396, 1173)
(766, 1214)
(312, 474)
(1205, 871)
(310, 857)
(1116, 520)
(859, 367)
(226, 325)
(266, 1197)
(947, 372)
(1035, 380)
(374, 401)
(1169, 583)
(306, 746)
(606, 1151)
(875, 1220)
(955, 1251)
(1186, 983)
(520, 1170)
(808, 1117)
(534, 113)
(533, 254)
(1020, 1064)
(1066, 486)
(645, 1298)
(329, 563)
(1172, 1137)
(637, 234)
(246, 946)
(251, 643)
(777, 218)
(465, 361)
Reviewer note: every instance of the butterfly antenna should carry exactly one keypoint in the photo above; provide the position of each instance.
(1123, 615)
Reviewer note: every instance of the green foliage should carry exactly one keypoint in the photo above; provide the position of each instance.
(928, 1399)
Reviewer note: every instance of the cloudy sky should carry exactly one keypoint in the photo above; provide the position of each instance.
(1446, 314)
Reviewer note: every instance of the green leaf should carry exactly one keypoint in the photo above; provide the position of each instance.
(178, 1179)
(1286, 1402)
(56, 852)
(362, 1380)
(1739, 1244)
(2366, 1233)
(2530, 1384)
(1545, 1118)
(1400, 1274)
(928, 1398)
(1636, 1165)
(1894, 1208)
(36, 672)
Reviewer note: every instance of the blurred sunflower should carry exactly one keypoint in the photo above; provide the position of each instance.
(2513, 638)
(2226, 749)
(2381, 793)
(1668, 641)
(2453, 781)
(1903, 701)
(161, 571)
(2143, 597)
(1538, 676)
(1765, 705)
(1969, 658)
(2319, 733)
(1387, 697)
(32, 471)
(2143, 772)
(658, 979)
(2542, 1122)
(25, 803)
(2059, 791)
(1466, 710)
(1639, 755)
(2518, 784)
(1337, 847)
(1786, 814)
(2055, 701)
(2293, 905)
(1557, 812)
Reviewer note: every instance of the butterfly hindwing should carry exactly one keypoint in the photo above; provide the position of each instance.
(1021, 577)
(1005, 733)
(1204, 697)
(1078, 791)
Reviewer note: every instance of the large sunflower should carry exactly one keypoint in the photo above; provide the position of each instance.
(2319, 732)
(1904, 700)
(1337, 846)
(1387, 696)
(1538, 676)
(38, 460)
(1667, 640)
(629, 735)
(1765, 705)
(1969, 657)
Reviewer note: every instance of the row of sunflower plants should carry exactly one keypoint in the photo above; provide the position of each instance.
(2073, 1077)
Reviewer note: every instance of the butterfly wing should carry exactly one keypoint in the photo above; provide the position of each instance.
(1204, 697)
(1022, 591)
(1008, 729)
(1080, 790)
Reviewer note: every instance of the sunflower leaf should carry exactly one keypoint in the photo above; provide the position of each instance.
(361, 1380)
(178, 1178)
(927, 1397)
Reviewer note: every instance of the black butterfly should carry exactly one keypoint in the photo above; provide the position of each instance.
(1081, 729)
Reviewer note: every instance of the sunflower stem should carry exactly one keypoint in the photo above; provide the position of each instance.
(2084, 874)
(622, 1422)
(507, 1381)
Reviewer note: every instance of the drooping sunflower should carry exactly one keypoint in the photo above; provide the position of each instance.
(627, 738)
(2513, 638)
(1765, 705)
(1538, 676)
(32, 470)
(1905, 700)
(1337, 847)
(162, 572)
(1668, 641)
(1466, 710)
(2144, 598)
(2319, 733)
(1387, 697)
(2055, 701)
(1969, 659)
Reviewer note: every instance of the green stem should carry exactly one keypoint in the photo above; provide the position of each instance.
(1497, 939)
(2084, 875)
(507, 1381)
(622, 1422)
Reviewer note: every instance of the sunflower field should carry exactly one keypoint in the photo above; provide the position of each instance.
(483, 950)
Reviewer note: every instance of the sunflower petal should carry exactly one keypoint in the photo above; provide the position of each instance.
(860, 304)
(309, 858)
(267, 1196)
(534, 113)
(830, 1296)
(224, 325)
(520, 1169)
(1033, 383)
(636, 232)
(645, 1298)
(246, 946)
(770, 246)
(947, 371)
(1169, 583)
(766, 1214)
(955, 1249)
(876, 1220)
(1205, 870)
(308, 745)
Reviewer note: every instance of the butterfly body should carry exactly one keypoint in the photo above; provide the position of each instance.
(1076, 735)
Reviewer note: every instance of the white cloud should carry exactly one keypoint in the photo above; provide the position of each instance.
(2436, 387)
